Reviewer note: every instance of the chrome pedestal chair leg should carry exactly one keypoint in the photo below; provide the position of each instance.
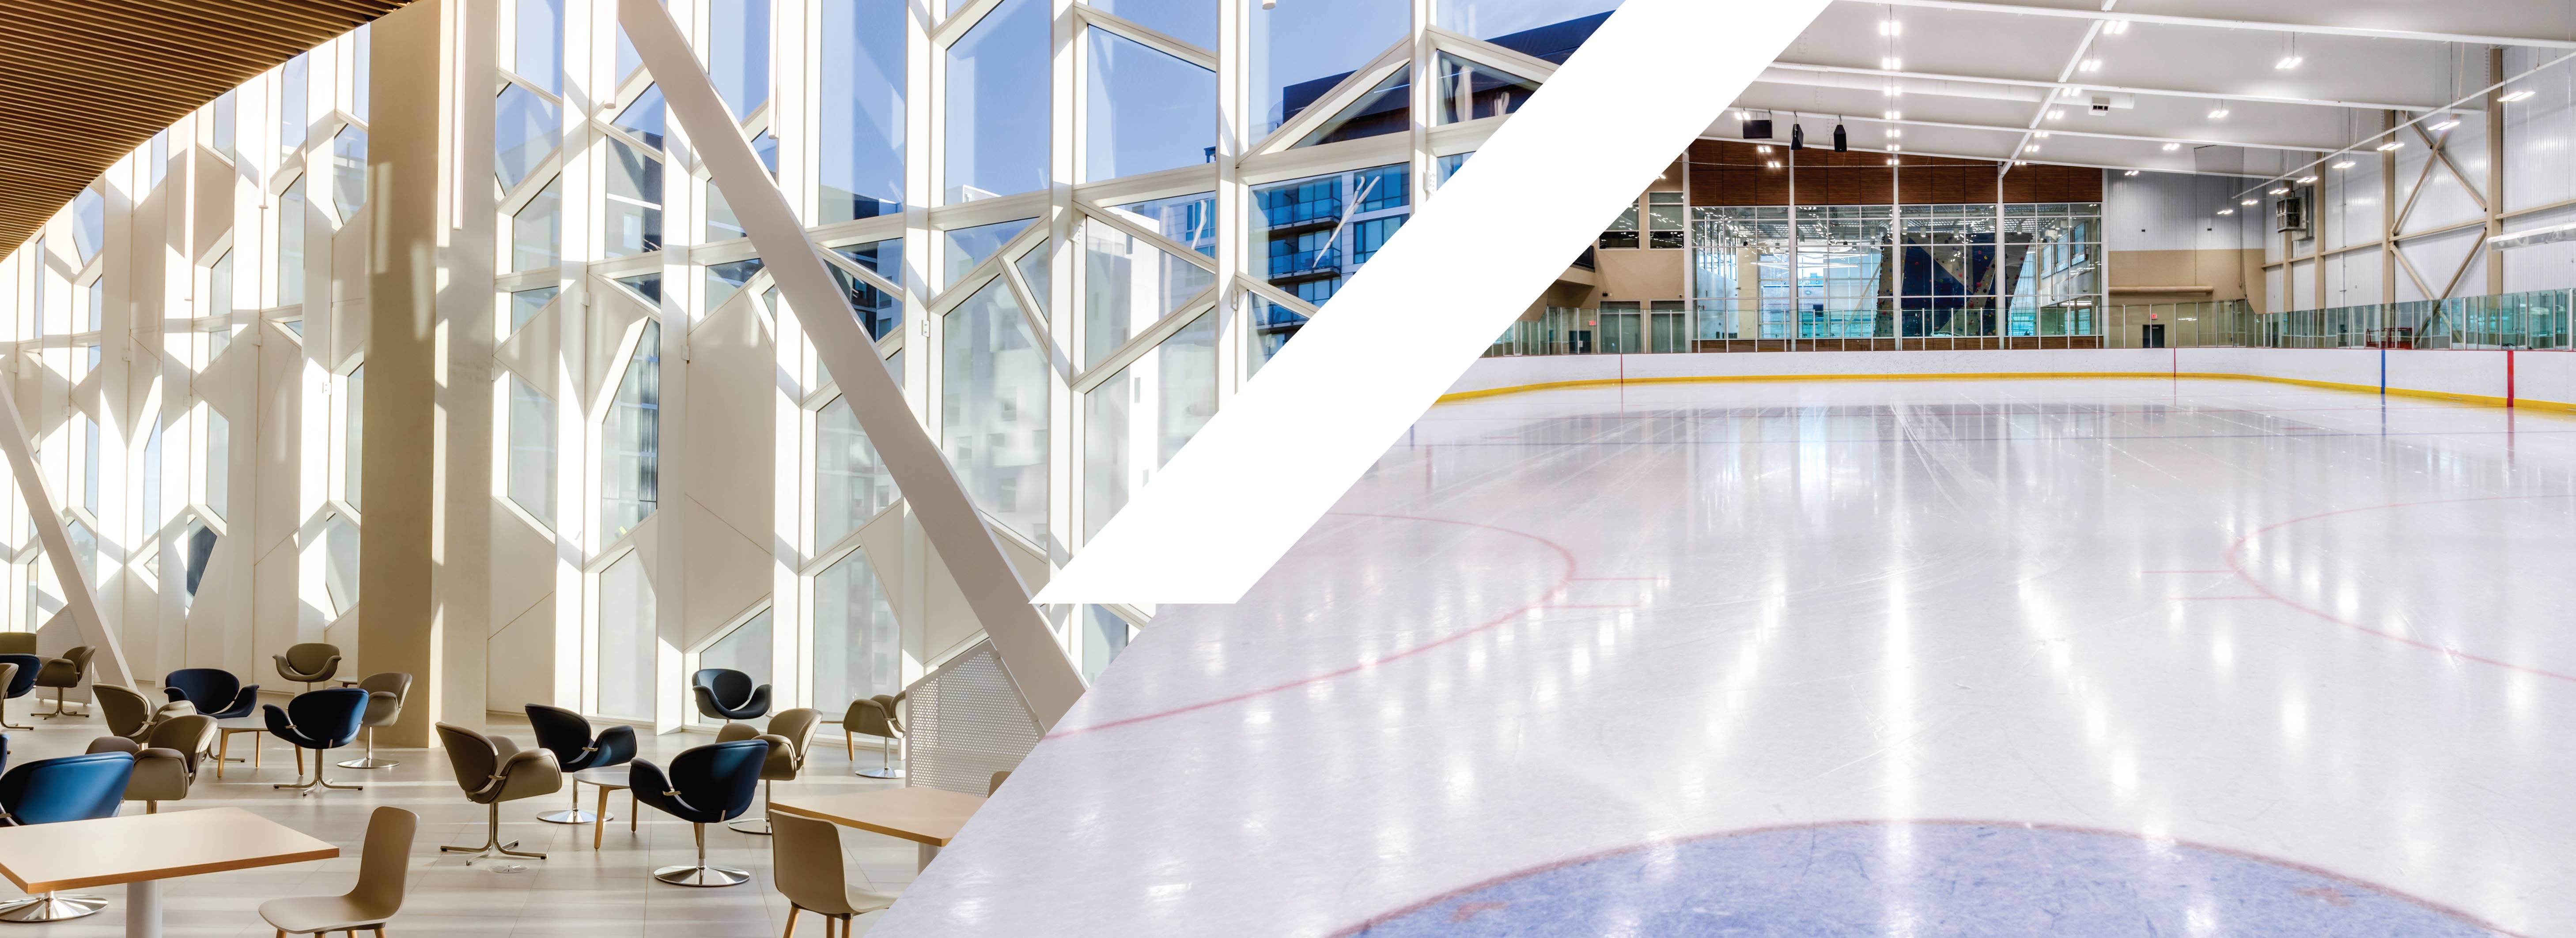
(369, 761)
(319, 782)
(757, 826)
(50, 907)
(885, 765)
(702, 874)
(576, 815)
(492, 846)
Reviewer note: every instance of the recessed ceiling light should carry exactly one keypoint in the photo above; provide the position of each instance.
(2130, 173)
(2116, 27)
(1895, 115)
(2304, 180)
(1894, 132)
(2057, 114)
(1891, 148)
(1891, 28)
(2033, 148)
(2512, 96)
(1891, 161)
(1892, 64)
(2445, 125)
(2343, 164)
(2392, 145)
(2170, 147)
(2288, 62)
(2041, 135)
(1775, 164)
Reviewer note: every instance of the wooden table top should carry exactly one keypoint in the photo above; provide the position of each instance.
(921, 815)
(107, 851)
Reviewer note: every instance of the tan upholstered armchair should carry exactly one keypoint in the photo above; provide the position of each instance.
(133, 715)
(873, 716)
(63, 674)
(790, 737)
(166, 766)
(491, 770)
(310, 663)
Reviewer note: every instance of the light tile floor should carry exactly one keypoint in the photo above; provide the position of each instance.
(574, 891)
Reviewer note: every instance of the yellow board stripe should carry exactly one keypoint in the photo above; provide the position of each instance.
(2478, 399)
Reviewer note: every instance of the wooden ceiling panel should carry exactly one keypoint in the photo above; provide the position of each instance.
(84, 82)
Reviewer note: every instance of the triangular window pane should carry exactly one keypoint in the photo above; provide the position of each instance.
(1035, 267)
(525, 127)
(1128, 285)
(725, 280)
(644, 117)
(1385, 109)
(968, 247)
(1471, 90)
(648, 286)
(877, 309)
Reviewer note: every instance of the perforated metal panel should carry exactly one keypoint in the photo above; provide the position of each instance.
(966, 722)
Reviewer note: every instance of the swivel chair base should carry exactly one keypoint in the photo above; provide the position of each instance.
(51, 907)
(4, 718)
(575, 815)
(369, 761)
(303, 788)
(756, 826)
(885, 768)
(492, 847)
(702, 874)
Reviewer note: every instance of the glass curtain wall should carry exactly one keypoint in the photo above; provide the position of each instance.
(1063, 350)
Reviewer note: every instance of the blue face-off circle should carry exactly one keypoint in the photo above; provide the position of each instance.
(1923, 879)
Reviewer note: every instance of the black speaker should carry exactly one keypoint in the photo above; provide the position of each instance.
(1757, 129)
(1797, 137)
(1842, 142)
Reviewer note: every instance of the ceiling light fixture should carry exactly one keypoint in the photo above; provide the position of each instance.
(2033, 148)
(2343, 164)
(1892, 148)
(1891, 28)
(2091, 65)
(2513, 96)
(1892, 64)
(2057, 114)
(2227, 211)
(1895, 132)
(2170, 147)
(2116, 27)
(2288, 62)
(2445, 125)
(1891, 161)
(2041, 135)
(2250, 202)
(1896, 115)
(2130, 173)
(2306, 180)
(2280, 190)
(2392, 145)
(2218, 113)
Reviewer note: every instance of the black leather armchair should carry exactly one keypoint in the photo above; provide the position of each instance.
(727, 694)
(567, 735)
(709, 784)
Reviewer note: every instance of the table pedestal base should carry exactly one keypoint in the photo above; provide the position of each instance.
(50, 907)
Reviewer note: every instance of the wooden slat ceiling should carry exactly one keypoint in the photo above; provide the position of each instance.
(84, 82)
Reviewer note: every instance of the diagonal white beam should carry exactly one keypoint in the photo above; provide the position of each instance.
(1426, 306)
(79, 597)
(1038, 667)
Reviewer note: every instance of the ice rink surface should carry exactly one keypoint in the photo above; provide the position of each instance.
(2078, 657)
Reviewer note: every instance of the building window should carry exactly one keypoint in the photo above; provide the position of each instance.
(861, 134)
(290, 244)
(635, 178)
(745, 649)
(1136, 420)
(850, 484)
(998, 79)
(1622, 232)
(532, 451)
(349, 172)
(858, 645)
(340, 564)
(525, 129)
(218, 474)
(1128, 285)
(1146, 111)
(353, 427)
(537, 53)
(631, 441)
(738, 53)
(1665, 220)
(536, 232)
(993, 409)
(294, 99)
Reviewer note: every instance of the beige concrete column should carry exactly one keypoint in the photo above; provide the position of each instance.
(428, 406)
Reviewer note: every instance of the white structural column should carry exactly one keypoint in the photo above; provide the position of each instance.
(1425, 307)
(1046, 678)
(80, 598)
